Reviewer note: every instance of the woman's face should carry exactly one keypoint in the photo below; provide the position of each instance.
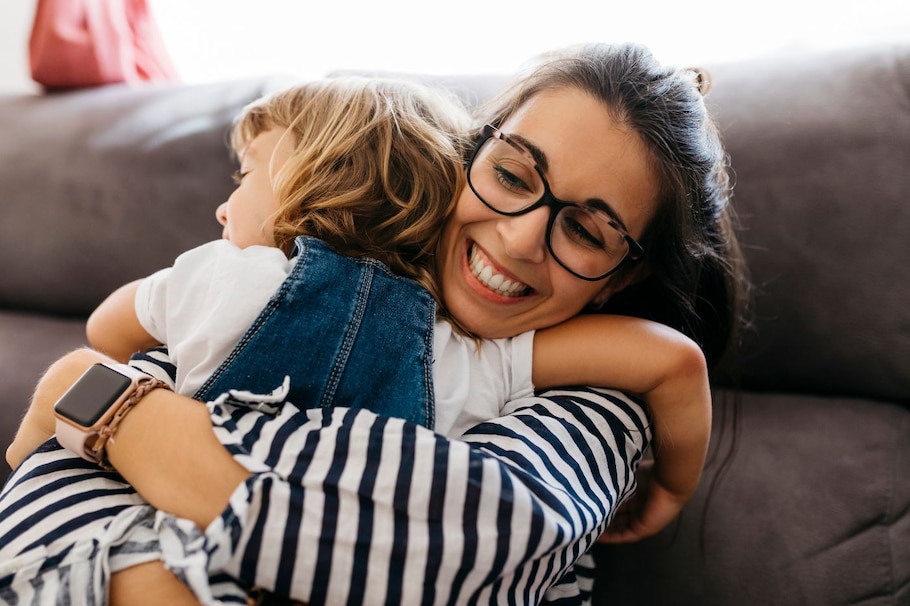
(585, 155)
(248, 216)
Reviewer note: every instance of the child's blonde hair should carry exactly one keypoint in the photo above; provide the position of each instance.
(376, 168)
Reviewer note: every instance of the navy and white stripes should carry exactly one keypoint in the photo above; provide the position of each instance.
(346, 507)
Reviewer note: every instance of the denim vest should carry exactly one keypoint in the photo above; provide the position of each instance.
(346, 331)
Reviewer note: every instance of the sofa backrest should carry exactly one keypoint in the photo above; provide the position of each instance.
(820, 145)
(105, 185)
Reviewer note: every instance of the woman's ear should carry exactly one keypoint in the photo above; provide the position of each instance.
(618, 283)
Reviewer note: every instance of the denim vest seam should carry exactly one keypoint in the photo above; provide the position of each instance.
(350, 334)
(429, 388)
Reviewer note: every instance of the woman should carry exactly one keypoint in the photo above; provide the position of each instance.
(677, 210)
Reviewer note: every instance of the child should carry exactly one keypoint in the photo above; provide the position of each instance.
(372, 168)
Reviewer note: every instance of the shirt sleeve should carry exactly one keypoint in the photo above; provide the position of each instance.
(377, 510)
(202, 305)
(151, 304)
(155, 297)
(522, 359)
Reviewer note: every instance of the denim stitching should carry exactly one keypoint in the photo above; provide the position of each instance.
(429, 393)
(350, 334)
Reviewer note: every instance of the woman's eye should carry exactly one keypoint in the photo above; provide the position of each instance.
(509, 181)
(581, 234)
(237, 176)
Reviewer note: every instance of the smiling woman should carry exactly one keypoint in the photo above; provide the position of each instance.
(587, 156)
(588, 239)
(809, 136)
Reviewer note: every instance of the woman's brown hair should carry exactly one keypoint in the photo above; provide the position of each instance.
(695, 277)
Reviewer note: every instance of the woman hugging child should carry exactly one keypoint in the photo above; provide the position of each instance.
(333, 283)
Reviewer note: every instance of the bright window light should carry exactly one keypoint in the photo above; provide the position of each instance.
(223, 39)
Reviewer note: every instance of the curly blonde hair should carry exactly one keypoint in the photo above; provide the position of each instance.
(376, 169)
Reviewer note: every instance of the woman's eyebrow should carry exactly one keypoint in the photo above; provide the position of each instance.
(540, 158)
(604, 207)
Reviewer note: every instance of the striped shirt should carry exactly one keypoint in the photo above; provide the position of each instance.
(345, 506)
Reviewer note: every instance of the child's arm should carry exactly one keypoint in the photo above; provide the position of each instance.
(114, 329)
(668, 369)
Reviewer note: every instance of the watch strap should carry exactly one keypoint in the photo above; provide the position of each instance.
(74, 439)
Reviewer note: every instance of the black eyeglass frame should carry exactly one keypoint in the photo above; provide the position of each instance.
(635, 252)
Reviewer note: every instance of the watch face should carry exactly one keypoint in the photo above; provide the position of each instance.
(92, 395)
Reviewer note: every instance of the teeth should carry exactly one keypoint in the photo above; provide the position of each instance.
(496, 282)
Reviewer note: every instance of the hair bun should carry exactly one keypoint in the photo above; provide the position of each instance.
(701, 78)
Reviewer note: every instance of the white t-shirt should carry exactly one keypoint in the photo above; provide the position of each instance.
(202, 305)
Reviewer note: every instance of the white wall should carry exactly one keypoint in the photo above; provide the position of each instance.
(222, 39)
(15, 24)
(217, 39)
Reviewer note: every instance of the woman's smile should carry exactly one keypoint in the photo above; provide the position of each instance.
(497, 281)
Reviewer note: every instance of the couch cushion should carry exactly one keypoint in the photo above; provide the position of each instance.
(87, 175)
(812, 506)
(29, 343)
(819, 144)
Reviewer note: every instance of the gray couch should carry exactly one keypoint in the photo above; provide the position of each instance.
(806, 498)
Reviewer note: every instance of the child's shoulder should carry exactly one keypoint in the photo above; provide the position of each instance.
(226, 248)
(223, 258)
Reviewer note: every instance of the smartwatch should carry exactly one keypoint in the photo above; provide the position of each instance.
(90, 411)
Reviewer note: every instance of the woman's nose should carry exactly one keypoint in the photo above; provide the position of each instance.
(524, 236)
(221, 213)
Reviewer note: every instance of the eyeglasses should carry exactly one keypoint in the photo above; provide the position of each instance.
(583, 238)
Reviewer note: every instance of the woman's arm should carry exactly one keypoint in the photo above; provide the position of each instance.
(552, 467)
(38, 424)
(166, 449)
(498, 515)
(668, 369)
(114, 329)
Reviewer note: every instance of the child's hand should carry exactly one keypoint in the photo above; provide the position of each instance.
(651, 508)
(37, 427)
(32, 433)
(39, 422)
